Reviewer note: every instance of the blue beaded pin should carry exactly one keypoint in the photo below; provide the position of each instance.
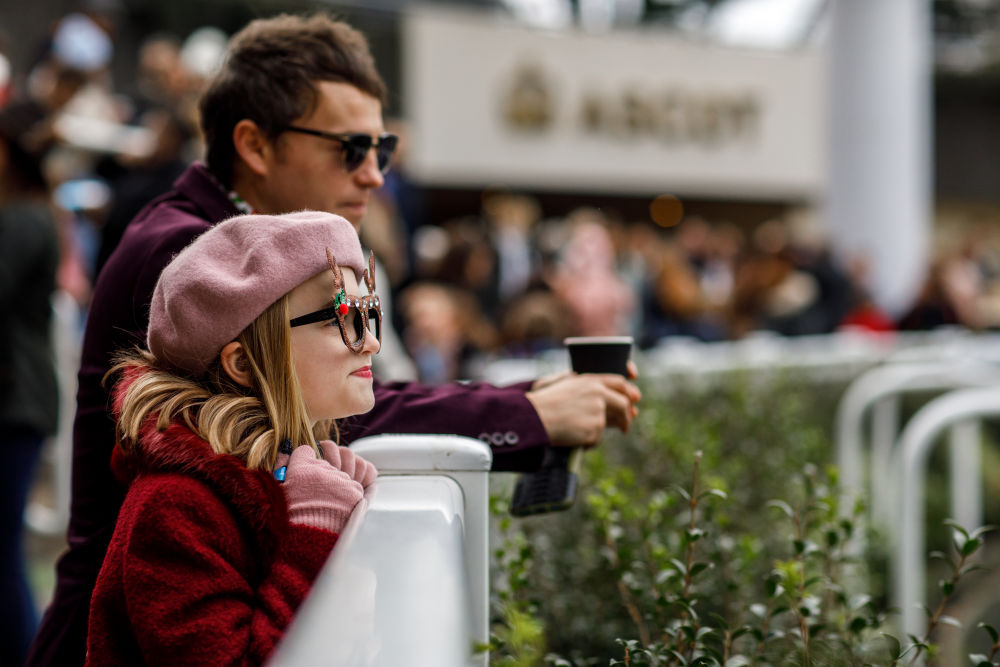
(284, 448)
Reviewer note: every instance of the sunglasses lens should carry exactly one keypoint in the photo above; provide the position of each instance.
(359, 326)
(352, 322)
(386, 147)
(375, 323)
(355, 150)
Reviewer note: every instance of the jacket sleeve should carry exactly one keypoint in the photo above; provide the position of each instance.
(201, 593)
(502, 417)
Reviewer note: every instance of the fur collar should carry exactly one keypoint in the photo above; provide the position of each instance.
(253, 496)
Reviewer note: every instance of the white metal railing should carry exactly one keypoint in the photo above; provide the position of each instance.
(960, 407)
(408, 582)
(879, 390)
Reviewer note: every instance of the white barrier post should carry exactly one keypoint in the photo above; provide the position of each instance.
(408, 582)
(919, 435)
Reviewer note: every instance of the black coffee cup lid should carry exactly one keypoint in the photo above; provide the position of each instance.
(601, 340)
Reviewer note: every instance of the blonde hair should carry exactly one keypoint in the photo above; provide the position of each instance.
(247, 422)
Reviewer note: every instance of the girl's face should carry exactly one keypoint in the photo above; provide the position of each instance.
(335, 381)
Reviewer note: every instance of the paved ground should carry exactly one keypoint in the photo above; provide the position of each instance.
(41, 549)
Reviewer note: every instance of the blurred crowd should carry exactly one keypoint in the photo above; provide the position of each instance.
(506, 280)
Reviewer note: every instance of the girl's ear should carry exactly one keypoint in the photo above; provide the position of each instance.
(234, 361)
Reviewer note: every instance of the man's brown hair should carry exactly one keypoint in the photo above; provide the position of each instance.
(269, 76)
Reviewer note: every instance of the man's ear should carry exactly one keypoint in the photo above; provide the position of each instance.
(234, 361)
(253, 146)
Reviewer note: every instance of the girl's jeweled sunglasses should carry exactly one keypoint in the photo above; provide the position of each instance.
(355, 315)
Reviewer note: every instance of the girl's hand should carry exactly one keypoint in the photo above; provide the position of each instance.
(343, 458)
(319, 494)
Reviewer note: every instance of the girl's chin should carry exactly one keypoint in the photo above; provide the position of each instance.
(363, 405)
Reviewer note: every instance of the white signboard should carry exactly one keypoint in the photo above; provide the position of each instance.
(639, 112)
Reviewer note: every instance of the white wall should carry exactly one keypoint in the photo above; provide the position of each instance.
(640, 112)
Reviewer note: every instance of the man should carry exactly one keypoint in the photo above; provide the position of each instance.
(292, 121)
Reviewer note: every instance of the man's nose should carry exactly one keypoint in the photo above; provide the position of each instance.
(368, 174)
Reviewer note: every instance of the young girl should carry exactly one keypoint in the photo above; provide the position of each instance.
(257, 340)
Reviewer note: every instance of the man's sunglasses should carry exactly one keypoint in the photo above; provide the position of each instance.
(355, 147)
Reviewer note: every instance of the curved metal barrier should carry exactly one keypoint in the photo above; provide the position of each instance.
(910, 463)
(879, 389)
(408, 582)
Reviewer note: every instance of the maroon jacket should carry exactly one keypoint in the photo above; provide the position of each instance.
(204, 566)
(117, 319)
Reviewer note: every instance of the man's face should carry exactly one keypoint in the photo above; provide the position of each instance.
(307, 172)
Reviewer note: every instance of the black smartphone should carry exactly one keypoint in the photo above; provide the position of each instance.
(551, 488)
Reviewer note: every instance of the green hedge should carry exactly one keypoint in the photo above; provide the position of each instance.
(710, 534)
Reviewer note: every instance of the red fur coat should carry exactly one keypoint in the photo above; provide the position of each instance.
(204, 567)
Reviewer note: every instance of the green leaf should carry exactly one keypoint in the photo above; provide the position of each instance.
(718, 493)
(981, 530)
(783, 506)
(950, 620)
(719, 620)
(994, 635)
(971, 546)
(859, 601)
(957, 526)
(693, 535)
(893, 645)
(947, 586)
(698, 568)
(816, 629)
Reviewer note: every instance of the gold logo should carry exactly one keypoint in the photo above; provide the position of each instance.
(528, 101)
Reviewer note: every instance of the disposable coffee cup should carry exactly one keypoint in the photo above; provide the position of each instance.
(599, 354)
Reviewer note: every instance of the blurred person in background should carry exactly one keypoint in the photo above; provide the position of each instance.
(511, 219)
(600, 302)
(863, 313)
(29, 258)
(381, 234)
(445, 332)
(292, 121)
(948, 297)
(533, 323)
(135, 181)
(788, 282)
(677, 305)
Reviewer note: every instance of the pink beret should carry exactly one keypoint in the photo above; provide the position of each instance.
(214, 288)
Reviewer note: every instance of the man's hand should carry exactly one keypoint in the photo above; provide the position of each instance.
(575, 409)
